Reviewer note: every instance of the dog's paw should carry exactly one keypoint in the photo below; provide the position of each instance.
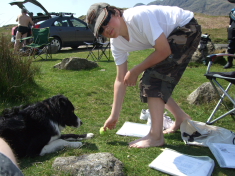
(89, 135)
(43, 152)
(75, 144)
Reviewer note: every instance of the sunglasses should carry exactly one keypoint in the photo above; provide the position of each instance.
(105, 23)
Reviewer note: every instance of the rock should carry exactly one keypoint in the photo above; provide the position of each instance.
(76, 64)
(98, 164)
(203, 94)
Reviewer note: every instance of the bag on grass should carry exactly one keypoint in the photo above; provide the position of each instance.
(167, 121)
(201, 134)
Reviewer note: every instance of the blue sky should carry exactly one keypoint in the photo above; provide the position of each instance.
(8, 13)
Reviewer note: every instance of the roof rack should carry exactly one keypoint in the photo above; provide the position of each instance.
(62, 13)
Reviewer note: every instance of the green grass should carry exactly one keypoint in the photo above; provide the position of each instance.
(215, 26)
(91, 92)
(16, 73)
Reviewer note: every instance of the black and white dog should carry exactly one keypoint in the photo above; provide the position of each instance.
(36, 129)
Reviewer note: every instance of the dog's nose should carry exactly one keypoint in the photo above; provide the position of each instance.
(80, 122)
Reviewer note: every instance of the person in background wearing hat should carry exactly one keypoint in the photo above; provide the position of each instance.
(173, 33)
(23, 27)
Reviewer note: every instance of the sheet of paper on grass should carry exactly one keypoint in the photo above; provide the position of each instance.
(175, 163)
(224, 154)
(134, 129)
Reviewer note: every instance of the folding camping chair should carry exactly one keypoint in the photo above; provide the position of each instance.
(91, 52)
(103, 47)
(41, 43)
(99, 46)
(223, 91)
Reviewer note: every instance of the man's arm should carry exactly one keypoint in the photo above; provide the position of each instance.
(119, 89)
(162, 51)
(119, 93)
(31, 21)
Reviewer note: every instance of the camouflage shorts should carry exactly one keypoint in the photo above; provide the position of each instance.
(161, 79)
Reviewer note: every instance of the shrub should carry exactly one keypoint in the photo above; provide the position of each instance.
(16, 72)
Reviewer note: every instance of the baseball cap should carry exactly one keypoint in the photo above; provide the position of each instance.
(96, 15)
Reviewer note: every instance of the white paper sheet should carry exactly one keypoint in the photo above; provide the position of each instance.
(134, 129)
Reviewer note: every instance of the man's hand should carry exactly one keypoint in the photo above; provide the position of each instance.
(130, 79)
(110, 123)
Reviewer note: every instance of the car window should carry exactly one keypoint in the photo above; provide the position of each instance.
(37, 11)
(61, 23)
(77, 23)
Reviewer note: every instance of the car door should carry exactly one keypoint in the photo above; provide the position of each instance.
(34, 8)
(83, 33)
(63, 29)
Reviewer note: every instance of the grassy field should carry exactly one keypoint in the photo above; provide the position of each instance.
(91, 92)
(216, 26)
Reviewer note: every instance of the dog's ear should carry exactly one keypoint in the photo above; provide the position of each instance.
(65, 103)
(63, 100)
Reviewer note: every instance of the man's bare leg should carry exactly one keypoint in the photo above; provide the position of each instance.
(178, 113)
(6, 150)
(23, 36)
(155, 136)
(17, 41)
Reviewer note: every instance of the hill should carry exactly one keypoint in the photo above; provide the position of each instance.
(209, 7)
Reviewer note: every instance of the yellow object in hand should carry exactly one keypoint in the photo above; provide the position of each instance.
(102, 132)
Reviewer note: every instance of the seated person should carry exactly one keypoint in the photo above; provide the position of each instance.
(8, 163)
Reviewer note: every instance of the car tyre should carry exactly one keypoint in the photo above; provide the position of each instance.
(57, 42)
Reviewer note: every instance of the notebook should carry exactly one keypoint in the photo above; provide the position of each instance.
(175, 163)
(224, 154)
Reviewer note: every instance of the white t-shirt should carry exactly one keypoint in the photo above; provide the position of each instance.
(145, 24)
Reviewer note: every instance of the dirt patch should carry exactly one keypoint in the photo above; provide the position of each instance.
(212, 22)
